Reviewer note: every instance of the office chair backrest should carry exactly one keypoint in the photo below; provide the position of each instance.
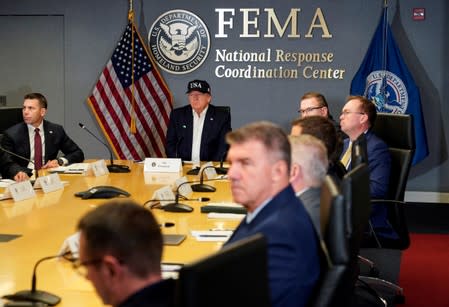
(237, 275)
(9, 117)
(397, 131)
(334, 285)
(356, 193)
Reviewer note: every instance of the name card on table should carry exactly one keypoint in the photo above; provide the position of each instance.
(162, 165)
(209, 170)
(21, 190)
(99, 168)
(164, 195)
(49, 183)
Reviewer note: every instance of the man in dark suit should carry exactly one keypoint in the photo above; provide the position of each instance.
(260, 158)
(357, 117)
(308, 169)
(120, 251)
(24, 138)
(197, 131)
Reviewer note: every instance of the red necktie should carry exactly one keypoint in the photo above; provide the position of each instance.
(37, 150)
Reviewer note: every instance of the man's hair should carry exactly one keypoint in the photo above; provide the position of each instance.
(367, 107)
(270, 135)
(126, 231)
(41, 98)
(311, 154)
(320, 97)
(323, 129)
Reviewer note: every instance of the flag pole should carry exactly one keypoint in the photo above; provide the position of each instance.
(383, 89)
(133, 101)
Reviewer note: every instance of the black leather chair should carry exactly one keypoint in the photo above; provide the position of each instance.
(398, 132)
(237, 275)
(344, 218)
(334, 282)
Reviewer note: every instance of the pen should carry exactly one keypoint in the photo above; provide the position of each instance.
(213, 236)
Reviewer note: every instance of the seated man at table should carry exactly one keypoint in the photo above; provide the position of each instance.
(260, 158)
(120, 253)
(308, 169)
(357, 117)
(39, 140)
(197, 131)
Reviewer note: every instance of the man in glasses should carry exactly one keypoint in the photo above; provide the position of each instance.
(120, 253)
(357, 117)
(315, 104)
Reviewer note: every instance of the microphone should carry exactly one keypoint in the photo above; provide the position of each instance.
(201, 187)
(177, 206)
(113, 168)
(23, 158)
(34, 295)
(222, 170)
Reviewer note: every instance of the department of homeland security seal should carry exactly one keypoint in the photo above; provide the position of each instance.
(393, 99)
(179, 41)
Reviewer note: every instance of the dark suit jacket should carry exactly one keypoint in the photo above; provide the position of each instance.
(379, 164)
(293, 265)
(180, 134)
(8, 168)
(16, 139)
(160, 294)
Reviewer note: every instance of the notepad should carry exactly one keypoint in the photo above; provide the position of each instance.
(173, 239)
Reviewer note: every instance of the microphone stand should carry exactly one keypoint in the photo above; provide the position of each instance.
(222, 170)
(201, 187)
(176, 206)
(113, 168)
(23, 158)
(34, 295)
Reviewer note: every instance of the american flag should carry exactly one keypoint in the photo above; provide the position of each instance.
(132, 112)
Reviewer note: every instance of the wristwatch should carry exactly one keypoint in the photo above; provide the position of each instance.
(60, 162)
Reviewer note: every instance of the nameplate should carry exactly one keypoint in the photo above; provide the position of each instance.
(162, 165)
(209, 170)
(71, 245)
(49, 183)
(99, 168)
(21, 190)
(164, 195)
(182, 187)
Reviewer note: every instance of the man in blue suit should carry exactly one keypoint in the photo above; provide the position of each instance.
(357, 117)
(197, 131)
(260, 158)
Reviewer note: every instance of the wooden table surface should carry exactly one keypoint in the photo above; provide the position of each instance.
(44, 222)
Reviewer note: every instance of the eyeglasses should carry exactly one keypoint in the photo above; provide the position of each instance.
(305, 111)
(346, 112)
(81, 267)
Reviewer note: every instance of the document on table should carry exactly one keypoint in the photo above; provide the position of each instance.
(75, 168)
(212, 235)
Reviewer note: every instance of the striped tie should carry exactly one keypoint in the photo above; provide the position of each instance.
(347, 156)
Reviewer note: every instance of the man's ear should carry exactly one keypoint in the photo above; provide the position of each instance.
(279, 170)
(112, 265)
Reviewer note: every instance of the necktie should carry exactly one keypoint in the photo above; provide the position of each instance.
(37, 150)
(347, 156)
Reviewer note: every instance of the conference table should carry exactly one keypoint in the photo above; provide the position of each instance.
(44, 222)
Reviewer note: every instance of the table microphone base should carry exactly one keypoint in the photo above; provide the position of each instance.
(221, 170)
(36, 296)
(201, 187)
(115, 168)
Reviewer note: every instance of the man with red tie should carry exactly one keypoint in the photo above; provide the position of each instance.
(39, 140)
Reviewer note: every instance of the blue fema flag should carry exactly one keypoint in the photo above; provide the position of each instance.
(384, 78)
